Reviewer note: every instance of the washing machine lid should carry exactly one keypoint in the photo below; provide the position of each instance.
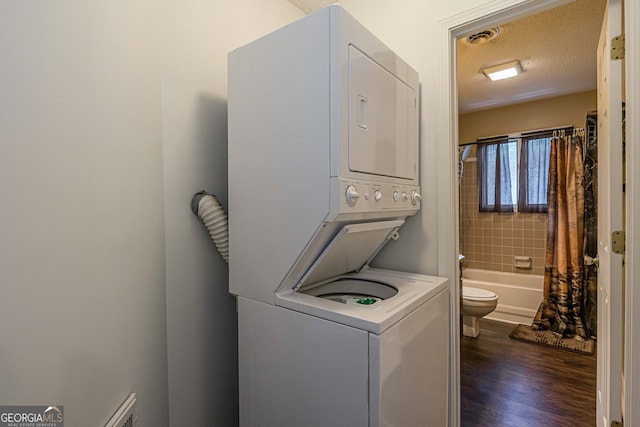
(353, 247)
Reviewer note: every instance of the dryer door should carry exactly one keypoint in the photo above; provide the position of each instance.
(383, 120)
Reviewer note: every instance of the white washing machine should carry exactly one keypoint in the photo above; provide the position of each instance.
(323, 172)
(367, 348)
(320, 363)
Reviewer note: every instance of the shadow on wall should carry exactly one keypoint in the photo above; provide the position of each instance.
(211, 144)
(220, 354)
(201, 314)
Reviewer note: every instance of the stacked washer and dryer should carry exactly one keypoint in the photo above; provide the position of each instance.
(323, 172)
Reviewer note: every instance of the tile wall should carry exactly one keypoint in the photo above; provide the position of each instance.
(490, 241)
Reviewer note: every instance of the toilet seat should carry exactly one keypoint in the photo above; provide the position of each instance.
(474, 294)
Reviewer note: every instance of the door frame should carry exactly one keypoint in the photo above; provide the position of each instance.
(467, 22)
(631, 383)
(610, 218)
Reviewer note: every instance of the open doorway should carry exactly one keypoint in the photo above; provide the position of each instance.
(515, 243)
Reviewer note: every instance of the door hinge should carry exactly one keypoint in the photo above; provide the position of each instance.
(617, 47)
(618, 242)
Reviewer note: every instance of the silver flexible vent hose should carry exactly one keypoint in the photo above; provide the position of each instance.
(208, 209)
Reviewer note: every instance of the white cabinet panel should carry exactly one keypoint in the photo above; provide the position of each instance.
(409, 368)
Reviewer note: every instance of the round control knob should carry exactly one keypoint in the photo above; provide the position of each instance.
(405, 196)
(352, 195)
(415, 197)
(377, 195)
(396, 196)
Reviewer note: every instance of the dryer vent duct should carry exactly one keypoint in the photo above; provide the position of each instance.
(208, 209)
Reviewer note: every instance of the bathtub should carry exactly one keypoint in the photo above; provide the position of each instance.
(519, 295)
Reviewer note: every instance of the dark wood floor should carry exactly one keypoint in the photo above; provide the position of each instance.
(505, 382)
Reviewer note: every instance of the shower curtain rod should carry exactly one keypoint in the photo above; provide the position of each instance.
(560, 133)
(515, 135)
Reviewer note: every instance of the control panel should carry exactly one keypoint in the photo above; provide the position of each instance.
(351, 196)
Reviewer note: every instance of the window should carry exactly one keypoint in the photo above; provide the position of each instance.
(497, 175)
(534, 173)
(513, 173)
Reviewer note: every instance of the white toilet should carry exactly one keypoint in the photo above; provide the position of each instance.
(476, 303)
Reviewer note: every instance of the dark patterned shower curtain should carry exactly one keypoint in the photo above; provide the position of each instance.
(562, 307)
(590, 313)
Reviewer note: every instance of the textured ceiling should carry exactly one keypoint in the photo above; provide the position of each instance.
(557, 50)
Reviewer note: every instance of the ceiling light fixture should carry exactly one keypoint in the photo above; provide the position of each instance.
(503, 71)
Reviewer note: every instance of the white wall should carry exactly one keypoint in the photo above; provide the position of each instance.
(91, 96)
(201, 317)
(82, 287)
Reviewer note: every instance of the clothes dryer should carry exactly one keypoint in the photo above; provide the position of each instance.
(323, 173)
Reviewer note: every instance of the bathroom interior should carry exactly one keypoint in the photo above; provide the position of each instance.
(502, 254)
